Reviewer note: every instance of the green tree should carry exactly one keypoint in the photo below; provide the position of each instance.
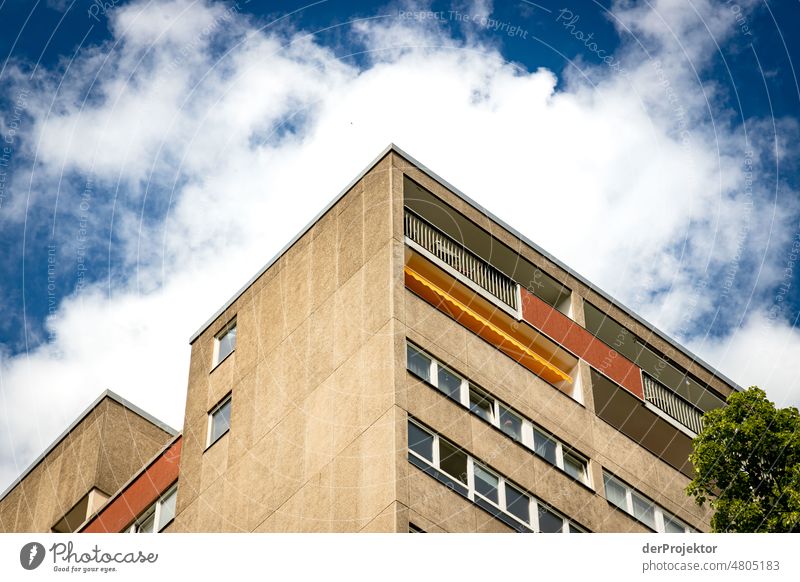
(747, 464)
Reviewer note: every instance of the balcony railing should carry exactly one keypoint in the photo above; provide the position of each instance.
(671, 403)
(456, 256)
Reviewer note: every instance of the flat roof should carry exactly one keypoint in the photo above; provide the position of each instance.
(393, 148)
(106, 394)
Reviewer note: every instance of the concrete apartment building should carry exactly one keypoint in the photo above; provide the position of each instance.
(101, 450)
(410, 363)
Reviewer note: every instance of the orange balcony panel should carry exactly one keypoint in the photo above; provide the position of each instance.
(139, 494)
(490, 326)
(580, 342)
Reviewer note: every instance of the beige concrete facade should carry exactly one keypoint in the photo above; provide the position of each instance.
(321, 394)
(100, 453)
(313, 419)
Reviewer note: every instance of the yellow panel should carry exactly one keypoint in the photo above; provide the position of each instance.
(484, 328)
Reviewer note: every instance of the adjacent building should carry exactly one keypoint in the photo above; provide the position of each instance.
(410, 363)
(102, 449)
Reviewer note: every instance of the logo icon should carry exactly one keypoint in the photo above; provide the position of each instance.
(31, 555)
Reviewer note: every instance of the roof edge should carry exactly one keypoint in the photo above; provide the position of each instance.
(607, 296)
(434, 176)
(81, 417)
(298, 236)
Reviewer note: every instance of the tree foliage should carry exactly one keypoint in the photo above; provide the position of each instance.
(747, 464)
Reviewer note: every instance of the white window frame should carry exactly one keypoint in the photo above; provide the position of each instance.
(437, 457)
(210, 422)
(528, 425)
(216, 361)
(658, 511)
(431, 378)
(474, 490)
(472, 493)
(155, 511)
(486, 397)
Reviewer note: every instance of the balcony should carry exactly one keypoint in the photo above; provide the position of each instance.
(644, 423)
(672, 404)
(461, 260)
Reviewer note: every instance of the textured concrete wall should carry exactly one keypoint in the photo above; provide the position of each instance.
(311, 445)
(103, 451)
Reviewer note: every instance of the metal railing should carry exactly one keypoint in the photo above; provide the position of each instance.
(671, 403)
(459, 258)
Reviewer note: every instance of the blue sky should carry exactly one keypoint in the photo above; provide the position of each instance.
(156, 153)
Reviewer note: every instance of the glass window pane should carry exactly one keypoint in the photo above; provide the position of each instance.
(544, 446)
(615, 492)
(510, 423)
(573, 529)
(452, 461)
(549, 522)
(517, 503)
(672, 525)
(481, 405)
(449, 383)
(220, 421)
(146, 526)
(418, 363)
(643, 510)
(227, 343)
(486, 484)
(167, 509)
(575, 467)
(420, 441)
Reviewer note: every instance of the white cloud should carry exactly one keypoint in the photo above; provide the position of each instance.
(761, 352)
(231, 141)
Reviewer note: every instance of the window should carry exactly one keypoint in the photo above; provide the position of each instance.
(418, 363)
(549, 522)
(146, 525)
(482, 484)
(672, 525)
(157, 516)
(487, 484)
(412, 528)
(219, 420)
(616, 492)
(544, 446)
(517, 503)
(449, 383)
(510, 423)
(167, 513)
(575, 467)
(438, 452)
(453, 461)
(495, 412)
(643, 510)
(554, 452)
(634, 503)
(225, 342)
(481, 405)
(420, 441)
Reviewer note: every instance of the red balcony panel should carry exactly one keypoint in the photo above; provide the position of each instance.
(139, 494)
(580, 342)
